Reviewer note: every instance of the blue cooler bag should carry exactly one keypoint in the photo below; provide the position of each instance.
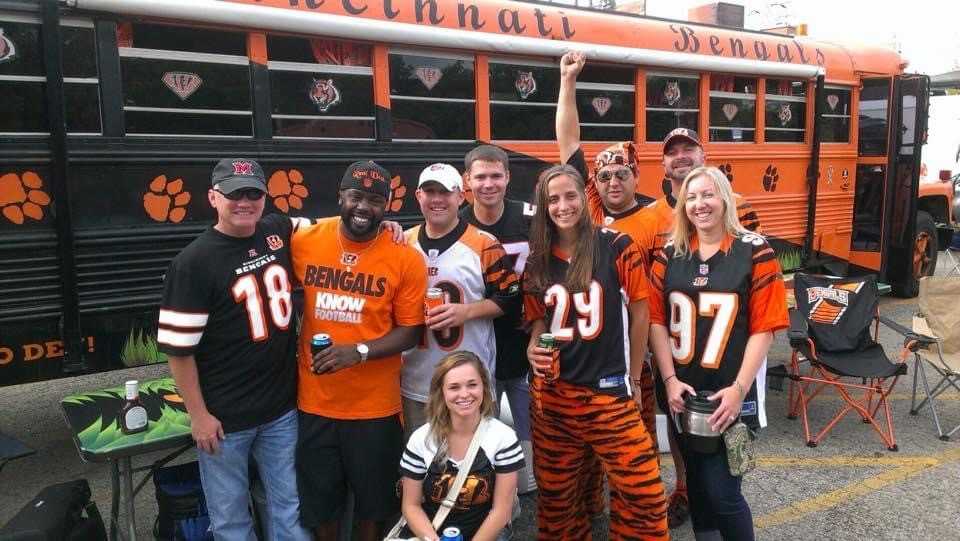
(182, 509)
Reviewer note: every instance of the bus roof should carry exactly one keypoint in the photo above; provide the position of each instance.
(532, 29)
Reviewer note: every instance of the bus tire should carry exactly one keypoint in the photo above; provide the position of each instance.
(925, 251)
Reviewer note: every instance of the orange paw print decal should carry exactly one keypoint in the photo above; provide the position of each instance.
(166, 201)
(287, 189)
(397, 193)
(22, 196)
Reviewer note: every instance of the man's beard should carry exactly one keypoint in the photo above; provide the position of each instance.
(354, 230)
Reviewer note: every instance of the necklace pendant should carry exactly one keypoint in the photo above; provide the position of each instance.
(349, 259)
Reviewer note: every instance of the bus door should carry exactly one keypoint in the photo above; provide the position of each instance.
(906, 240)
(888, 164)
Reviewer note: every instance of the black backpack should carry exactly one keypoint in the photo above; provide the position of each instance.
(59, 512)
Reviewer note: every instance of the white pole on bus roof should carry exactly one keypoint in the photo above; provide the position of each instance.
(337, 26)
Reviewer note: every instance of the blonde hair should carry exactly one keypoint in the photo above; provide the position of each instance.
(683, 229)
(438, 415)
(543, 232)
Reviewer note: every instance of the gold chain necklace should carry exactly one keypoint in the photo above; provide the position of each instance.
(352, 258)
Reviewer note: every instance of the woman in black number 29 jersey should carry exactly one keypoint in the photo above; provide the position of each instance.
(587, 286)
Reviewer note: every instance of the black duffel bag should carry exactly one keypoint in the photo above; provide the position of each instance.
(182, 509)
(59, 512)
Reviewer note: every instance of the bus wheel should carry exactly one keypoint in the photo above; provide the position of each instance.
(924, 255)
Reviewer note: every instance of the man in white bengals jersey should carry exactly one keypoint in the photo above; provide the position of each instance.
(225, 325)
(487, 174)
(477, 281)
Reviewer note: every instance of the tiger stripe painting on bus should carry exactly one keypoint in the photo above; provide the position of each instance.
(157, 92)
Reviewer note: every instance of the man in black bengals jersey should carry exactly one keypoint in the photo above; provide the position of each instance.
(226, 326)
(487, 173)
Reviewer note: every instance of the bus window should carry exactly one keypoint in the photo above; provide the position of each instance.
(605, 103)
(432, 96)
(835, 120)
(523, 100)
(868, 208)
(320, 89)
(733, 103)
(81, 84)
(673, 101)
(785, 110)
(874, 98)
(22, 79)
(184, 81)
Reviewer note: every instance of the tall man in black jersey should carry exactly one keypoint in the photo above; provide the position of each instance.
(487, 173)
(226, 325)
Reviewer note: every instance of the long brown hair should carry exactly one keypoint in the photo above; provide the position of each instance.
(438, 415)
(543, 231)
(683, 230)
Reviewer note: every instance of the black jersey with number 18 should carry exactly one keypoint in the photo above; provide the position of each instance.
(592, 327)
(227, 301)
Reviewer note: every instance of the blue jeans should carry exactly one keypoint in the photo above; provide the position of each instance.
(226, 484)
(716, 502)
(518, 396)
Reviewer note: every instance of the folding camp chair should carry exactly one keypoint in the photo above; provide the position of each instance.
(937, 329)
(831, 329)
(953, 256)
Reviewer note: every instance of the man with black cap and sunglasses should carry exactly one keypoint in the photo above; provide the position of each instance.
(366, 293)
(226, 325)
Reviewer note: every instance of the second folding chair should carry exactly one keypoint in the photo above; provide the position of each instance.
(831, 329)
(937, 345)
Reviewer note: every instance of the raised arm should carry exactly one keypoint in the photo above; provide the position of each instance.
(568, 121)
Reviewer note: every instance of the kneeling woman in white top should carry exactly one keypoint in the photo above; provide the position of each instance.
(460, 398)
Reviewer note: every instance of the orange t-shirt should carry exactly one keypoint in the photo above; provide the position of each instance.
(382, 287)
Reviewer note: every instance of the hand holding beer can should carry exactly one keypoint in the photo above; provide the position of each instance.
(318, 343)
(433, 299)
(548, 341)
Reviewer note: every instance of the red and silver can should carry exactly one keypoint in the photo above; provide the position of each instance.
(433, 299)
(548, 341)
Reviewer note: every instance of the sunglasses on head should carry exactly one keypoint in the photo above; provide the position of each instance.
(252, 194)
(622, 175)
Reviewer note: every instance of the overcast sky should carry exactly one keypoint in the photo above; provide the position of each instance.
(927, 31)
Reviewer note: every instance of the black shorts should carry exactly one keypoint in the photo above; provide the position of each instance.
(334, 453)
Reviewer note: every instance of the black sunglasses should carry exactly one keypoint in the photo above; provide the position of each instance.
(252, 194)
(622, 175)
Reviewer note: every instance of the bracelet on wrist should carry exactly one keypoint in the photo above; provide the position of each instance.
(743, 394)
(669, 377)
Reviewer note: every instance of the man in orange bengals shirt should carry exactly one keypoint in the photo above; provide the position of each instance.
(367, 293)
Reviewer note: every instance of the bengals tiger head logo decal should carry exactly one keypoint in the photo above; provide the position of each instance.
(784, 114)
(8, 51)
(671, 93)
(828, 304)
(324, 94)
(525, 84)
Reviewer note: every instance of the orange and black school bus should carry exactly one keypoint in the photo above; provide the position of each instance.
(114, 112)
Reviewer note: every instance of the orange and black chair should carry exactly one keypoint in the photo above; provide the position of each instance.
(831, 330)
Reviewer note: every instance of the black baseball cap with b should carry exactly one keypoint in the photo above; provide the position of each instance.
(232, 174)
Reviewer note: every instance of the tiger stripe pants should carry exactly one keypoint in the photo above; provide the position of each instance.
(569, 419)
(591, 481)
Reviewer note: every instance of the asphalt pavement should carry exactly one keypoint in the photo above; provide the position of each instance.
(850, 487)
